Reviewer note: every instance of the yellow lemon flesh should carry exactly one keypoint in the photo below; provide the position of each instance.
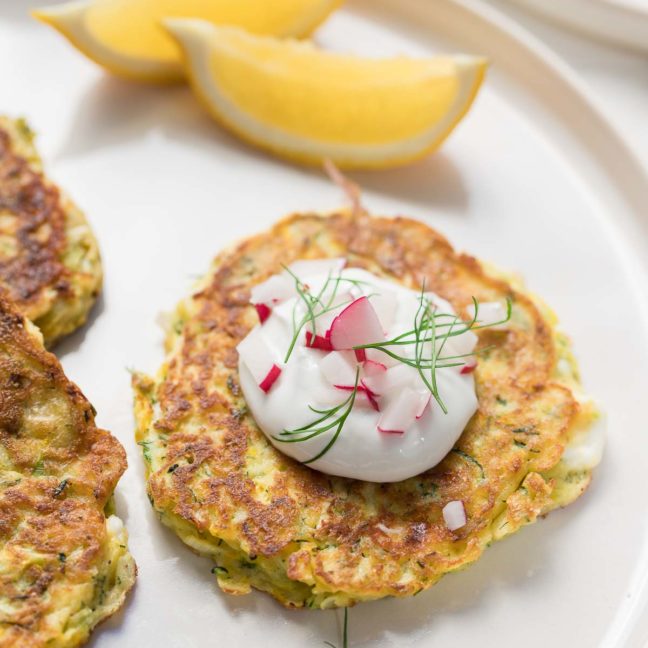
(290, 98)
(126, 37)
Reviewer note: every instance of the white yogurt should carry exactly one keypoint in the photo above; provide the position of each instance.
(361, 450)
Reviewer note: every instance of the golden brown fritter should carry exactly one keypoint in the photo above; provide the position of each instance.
(64, 565)
(319, 541)
(49, 260)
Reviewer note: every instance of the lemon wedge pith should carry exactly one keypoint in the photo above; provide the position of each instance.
(299, 102)
(126, 37)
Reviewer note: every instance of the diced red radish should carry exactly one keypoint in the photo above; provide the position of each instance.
(276, 289)
(424, 400)
(271, 377)
(454, 515)
(400, 414)
(338, 368)
(357, 324)
(385, 305)
(324, 321)
(378, 356)
(318, 342)
(263, 311)
(390, 381)
(373, 368)
(304, 267)
(362, 389)
(372, 397)
(469, 367)
(488, 313)
(259, 359)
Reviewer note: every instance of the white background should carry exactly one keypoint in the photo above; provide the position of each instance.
(533, 179)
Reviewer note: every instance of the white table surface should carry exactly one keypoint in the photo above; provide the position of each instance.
(616, 78)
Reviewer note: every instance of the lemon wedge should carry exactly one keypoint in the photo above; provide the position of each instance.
(126, 38)
(308, 105)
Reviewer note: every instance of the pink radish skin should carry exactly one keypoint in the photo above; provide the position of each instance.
(338, 367)
(373, 368)
(426, 397)
(400, 414)
(317, 342)
(259, 359)
(356, 325)
(378, 356)
(324, 321)
(276, 289)
(263, 311)
(468, 368)
(270, 379)
(392, 380)
(371, 397)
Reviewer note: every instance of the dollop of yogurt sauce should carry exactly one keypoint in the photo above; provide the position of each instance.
(395, 428)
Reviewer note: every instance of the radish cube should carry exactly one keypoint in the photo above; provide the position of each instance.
(372, 397)
(357, 324)
(276, 289)
(338, 368)
(324, 321)
(263, 311)
(488, 313)
(469, 367)
(454, 515)
(424, 400)
(385, 305)
(364, 391)
(318, 342)
(373, 368)
(376, 355)
(271, 377)
(401, 412)
(259, 359)
(392, 380)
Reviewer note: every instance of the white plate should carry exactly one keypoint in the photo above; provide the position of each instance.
(534, 179)
(623, 22)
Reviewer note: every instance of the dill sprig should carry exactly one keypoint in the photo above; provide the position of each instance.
(332, 418)
(431, 332)
(316, 305)
(428, 337)
(345, 632)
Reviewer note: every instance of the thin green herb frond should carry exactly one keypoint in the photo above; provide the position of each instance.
(316, 305)
(507, 318)
(428, 338)
(330, 420)
(345, 632)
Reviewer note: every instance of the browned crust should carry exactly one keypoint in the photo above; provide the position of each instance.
(38, 230)
(324, 529)
(57, 473)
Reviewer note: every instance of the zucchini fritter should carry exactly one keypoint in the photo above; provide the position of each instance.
(64, 563)
(315, 540)
(49, 259)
